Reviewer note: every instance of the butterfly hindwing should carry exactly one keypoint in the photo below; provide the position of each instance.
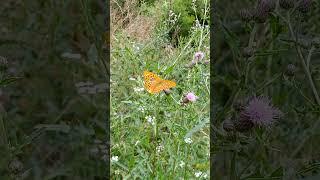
(162, 85)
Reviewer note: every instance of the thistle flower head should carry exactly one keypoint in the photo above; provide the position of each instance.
(262, 10)
(191, 97)
(304, 6)
(198, 56)
(286, 4)
(266, 5)
(260, 111)
(260, 16)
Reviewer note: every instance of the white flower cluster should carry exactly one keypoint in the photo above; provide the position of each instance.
(141, 109)
(114, 159)
(173, 18)
(200, 174)
(199, 26)
(150, 119)
(136, 47)
(159, 148)
(138, 89)
(188, 140)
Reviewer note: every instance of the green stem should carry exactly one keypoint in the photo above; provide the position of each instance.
(311, 132)
(269, 66)
(307, 71)
(252, 35)
(268, 82)
(4, 138)
(309, 57)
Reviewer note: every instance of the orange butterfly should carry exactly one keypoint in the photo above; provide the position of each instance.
(154, 84)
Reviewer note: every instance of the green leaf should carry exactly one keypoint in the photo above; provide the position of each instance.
(197, 128)
(276, 27)
(277, 173)
(9, 80)
(54, 127)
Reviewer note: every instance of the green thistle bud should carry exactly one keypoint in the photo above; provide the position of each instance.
(248, 52)
(316, 42)
(291, 69)
(16, 166)
(228, 125)
(243, 124)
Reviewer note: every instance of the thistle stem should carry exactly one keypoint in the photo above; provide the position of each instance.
(307, 71)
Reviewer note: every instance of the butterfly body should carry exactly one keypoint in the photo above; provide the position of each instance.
(154, 84)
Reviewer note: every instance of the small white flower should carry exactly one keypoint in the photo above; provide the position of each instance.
(188, 140)
(117, 172)
(137, 89)
(141, 109)
(159, 148)
(205, 175)
(206, 74)
(150, 119)
(132, 79)
(198, 174)
(135, 47)
(114, 159)
(182, 164)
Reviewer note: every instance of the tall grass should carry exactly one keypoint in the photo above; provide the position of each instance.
(148, 131)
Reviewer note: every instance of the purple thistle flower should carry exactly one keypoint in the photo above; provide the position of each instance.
(260, 111)
(190, 97)
(198, 56)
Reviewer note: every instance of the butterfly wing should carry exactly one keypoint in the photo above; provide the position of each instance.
(150, 80)
(154, 84)
(162, 85)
